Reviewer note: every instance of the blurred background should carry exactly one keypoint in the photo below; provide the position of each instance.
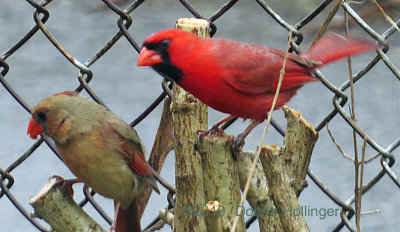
(38, 70)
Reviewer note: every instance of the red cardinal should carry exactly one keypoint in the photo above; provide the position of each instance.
(240, 78)
(99, 148)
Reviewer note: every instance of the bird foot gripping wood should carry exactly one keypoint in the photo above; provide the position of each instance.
(215, 130)
(68, 183)
(238, 141)
(55, 205)
(237, 145)
(219, 127)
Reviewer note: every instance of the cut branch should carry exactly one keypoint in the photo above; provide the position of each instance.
(213, 211)
(286, 168)
(257, 195)
(55, 205)
(189, 116)
(299, 142)
(221, 182)
(167, 216)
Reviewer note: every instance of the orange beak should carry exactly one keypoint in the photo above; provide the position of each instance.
(148, 57)
(34, 129)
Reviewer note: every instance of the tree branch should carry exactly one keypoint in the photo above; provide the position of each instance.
(221, 182)
(189, 116)
(286, 168)
(55, 205)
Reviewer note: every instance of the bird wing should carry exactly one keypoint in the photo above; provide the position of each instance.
(254, 69)
(133, 152)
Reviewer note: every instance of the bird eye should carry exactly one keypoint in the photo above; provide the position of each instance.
(40, 117)
(164, 44)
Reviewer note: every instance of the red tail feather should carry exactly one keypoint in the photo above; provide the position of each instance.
(127, 220)
(334, 47)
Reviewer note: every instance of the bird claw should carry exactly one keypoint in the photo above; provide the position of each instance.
(67, 183)
(218, 128)
(59, 179)
(215, 130)
(236, 146)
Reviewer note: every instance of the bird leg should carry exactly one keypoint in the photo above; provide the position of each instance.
(238, 141)
(116, 208)
(216, 126)
(68, 183)
(228, 122)
(221, 125)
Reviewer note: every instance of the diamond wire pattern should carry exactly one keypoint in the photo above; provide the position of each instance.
(41, 15)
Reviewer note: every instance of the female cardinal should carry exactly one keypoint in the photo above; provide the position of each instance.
(99, 148)
(239, 78)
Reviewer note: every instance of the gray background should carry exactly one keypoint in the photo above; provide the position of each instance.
(38, 70)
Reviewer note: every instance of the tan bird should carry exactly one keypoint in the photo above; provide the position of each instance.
(99, 148)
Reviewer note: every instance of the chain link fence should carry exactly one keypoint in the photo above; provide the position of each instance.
(124, 15)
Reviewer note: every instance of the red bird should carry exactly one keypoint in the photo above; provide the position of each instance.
(240, 78)
(99, 148)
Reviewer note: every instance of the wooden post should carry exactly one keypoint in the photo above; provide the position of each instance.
(213, 212)
(300, 139)
(258, 195)
(286, 168)
(55, 205)
(221, 182)
(189, 115)
(279, 182)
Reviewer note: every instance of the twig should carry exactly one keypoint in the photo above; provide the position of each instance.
(390, 20)
(358, 203)
(372, 158)
(371, 212)
(341, 149)
(357, 189)
(157, 226)
(327, 21)
(337, 144)
(253, 167)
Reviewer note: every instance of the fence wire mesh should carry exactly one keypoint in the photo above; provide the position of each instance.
(125, 14)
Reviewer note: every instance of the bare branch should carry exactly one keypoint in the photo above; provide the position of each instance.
(55, 205)
(337, 144)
